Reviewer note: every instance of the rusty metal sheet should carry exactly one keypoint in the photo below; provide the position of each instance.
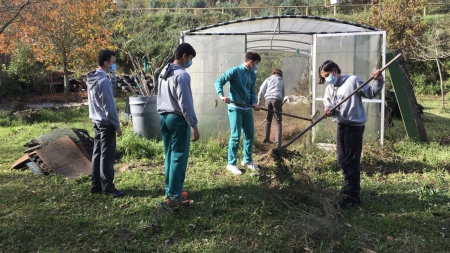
(19, 163)
(65, 158)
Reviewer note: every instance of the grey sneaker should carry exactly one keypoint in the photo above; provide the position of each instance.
(234, 169)
(250, 166)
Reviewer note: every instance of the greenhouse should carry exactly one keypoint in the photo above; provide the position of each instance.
(296, 44)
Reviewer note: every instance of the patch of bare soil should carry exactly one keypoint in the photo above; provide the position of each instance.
(291, 126)
(44, 100)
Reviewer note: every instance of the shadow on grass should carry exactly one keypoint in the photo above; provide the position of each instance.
(232, 215)
(56, 214)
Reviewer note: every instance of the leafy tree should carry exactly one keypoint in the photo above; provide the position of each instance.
(434, 45)
(401, 19)
(10, 11)
(65, 34)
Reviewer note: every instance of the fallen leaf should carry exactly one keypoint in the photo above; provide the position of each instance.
(368, 250)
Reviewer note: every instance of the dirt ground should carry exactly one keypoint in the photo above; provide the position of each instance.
(291, 126)
(45, 99)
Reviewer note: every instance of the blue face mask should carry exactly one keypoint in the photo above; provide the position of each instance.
(187, 65)
(331, 79)
(112, 68)
(255, 68)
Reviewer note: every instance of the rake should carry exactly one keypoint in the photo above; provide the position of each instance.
(312, 119)
(313, 123)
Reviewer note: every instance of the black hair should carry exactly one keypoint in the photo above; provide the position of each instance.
(328, 66)
(104, 55)
(184, 48)
(252, 56)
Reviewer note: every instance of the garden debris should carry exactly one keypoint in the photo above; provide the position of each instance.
(65, 158)
(63, 151)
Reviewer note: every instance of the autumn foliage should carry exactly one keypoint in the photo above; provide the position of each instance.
(63, 34)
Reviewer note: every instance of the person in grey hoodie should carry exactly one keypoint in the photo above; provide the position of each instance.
(351, 119)
(272, 90)
(177, 117)
(103, 113)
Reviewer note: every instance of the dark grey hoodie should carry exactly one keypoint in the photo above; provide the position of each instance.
(102, 107)
(174, 93)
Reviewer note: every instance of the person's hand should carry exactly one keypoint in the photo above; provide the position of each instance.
(196, 134)
(256, 107)
(119, 132)
(328, 112)
(377, 75)
(225, 99)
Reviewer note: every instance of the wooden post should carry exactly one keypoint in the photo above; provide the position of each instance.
(250, 11)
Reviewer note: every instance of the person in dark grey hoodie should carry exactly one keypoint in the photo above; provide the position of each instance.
(177, 117)
(272, 90)
(351, 119)
(103, 113)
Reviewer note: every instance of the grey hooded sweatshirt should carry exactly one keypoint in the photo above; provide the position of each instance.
(175, 95)
(272, 87)
(102, 107)
(351, 112)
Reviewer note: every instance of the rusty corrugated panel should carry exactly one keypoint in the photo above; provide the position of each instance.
(19, 163)
(65, 158)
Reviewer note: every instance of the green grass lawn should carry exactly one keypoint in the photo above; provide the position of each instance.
(289, 208)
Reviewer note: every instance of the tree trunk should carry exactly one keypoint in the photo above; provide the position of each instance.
(66, 74)
(442, 83)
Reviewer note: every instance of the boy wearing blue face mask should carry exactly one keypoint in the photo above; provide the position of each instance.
(351, 119)
(113, 77)
(242, 90)
(177, 117)
(103, 113)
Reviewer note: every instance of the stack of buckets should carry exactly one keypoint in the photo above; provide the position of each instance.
(145, 116)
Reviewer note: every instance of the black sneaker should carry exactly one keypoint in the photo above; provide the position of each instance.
(95, 190)
(115, 193)
(349, 202)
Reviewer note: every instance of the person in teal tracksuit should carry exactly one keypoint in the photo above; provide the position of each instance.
(176, 119)
(242, 90)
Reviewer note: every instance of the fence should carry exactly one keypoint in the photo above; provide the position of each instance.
(314, 10)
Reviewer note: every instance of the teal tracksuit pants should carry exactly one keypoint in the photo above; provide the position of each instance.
(176, 135)
(240, 121)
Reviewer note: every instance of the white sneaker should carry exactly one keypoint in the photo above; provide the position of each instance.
(234, 169)
(250, 165)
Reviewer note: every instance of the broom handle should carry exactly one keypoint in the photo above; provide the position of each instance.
(264, 109)
(338, 104)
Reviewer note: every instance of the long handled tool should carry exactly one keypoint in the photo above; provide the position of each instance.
(284, 101)
(313, 123)
(267, 110)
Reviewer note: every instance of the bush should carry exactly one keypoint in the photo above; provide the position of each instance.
(22, 74)
(196, 3)
(288, 11)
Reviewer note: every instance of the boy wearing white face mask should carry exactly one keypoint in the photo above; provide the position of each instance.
(351, 119)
